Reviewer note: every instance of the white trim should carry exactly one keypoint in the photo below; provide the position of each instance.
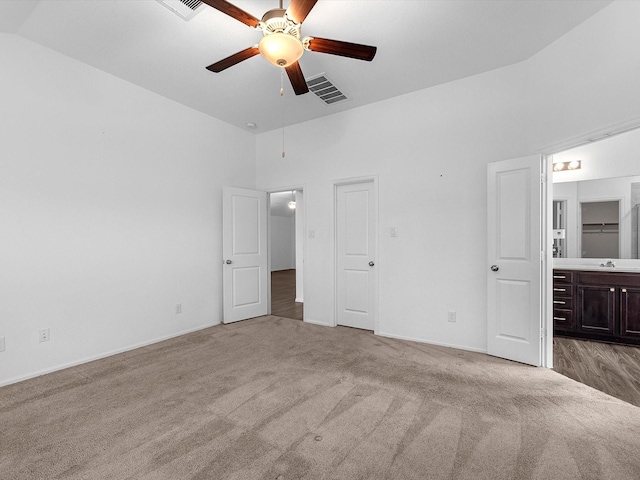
(316, 322)
(546, 266)
(428, 342)
(593, 136)
(92, 358)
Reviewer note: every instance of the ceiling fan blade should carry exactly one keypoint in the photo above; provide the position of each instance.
(233, 11)
(344, 49)
(299, 84)
(233, 59)
(299, 9)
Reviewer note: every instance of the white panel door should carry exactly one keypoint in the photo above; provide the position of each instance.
(244, 249)
(355, 255)
(514, 273)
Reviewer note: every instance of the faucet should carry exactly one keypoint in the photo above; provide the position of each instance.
(610, 263)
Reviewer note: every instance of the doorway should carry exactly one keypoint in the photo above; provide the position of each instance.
(595, 227)
(286, 253)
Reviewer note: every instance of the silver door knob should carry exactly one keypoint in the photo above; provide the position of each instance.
(228, 262)
(495, 268)
(371, 264)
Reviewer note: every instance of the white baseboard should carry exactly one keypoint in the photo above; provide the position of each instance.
(440, 344)
(299, 300)
(74, 363)
(315, 322)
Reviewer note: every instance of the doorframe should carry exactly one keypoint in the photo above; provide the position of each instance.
(546, 296)
(269, 191)
(374, 178)
(546, 265)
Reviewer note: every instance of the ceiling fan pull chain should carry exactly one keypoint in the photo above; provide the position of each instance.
(282, 96)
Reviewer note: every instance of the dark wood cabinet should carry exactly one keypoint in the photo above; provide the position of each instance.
(597, 305)
(596, 309)
(630, 312)
(563, 317)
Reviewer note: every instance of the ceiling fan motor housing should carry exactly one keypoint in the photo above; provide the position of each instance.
(280, 43)
(276, 21)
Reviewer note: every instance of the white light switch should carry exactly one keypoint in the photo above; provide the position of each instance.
(393, 232)
(312, 234)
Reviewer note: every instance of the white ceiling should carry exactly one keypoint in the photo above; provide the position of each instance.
(421, 43)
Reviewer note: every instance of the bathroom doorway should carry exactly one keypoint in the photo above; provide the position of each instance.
(594, 210)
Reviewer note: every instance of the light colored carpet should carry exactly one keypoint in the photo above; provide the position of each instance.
(275, 398)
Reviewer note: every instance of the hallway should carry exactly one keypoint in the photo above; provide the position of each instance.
(283, 295)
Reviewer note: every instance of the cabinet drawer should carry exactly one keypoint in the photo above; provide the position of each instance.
(562, 302)
(613, 279)
(562, 290)
(563, 319)
(563, 276)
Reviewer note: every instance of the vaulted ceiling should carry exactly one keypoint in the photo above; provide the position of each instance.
(421, 43)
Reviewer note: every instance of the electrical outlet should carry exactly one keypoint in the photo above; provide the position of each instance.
(43, 335)
(451, 316)
(178, 308)
(1, 344)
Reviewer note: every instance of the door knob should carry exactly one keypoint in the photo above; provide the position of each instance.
(228, 262)
(495, 268)
(371, 264)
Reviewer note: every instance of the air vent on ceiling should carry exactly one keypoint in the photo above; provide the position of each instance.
(325, 90)
(186, 9)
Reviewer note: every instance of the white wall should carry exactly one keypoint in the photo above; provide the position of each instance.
(282, 243)
(110, 211)
(430, 150)
(617, 156)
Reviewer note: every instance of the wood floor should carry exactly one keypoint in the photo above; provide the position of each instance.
(613, 369)
(283, 295)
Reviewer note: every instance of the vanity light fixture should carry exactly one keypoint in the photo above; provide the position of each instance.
(562, 166)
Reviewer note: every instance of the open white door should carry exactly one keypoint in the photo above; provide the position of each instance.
(245, 254)
(514, 273)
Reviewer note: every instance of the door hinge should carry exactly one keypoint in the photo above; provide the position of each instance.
(543, 178)
(542, 256)
(543, 332)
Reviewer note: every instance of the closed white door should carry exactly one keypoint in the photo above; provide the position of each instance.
(514, 269)
(356, 278)
(245, 255)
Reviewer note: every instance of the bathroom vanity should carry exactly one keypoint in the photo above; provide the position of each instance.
(597, 304)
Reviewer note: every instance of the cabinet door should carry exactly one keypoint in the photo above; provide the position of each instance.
(630, 312)
(596, 309)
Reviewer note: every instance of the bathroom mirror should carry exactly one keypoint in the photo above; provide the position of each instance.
(597, 218)
(596, 212)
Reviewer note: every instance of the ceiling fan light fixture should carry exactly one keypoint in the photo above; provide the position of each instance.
(280, 49)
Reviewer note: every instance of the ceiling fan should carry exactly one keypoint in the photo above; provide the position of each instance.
(281, 44)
